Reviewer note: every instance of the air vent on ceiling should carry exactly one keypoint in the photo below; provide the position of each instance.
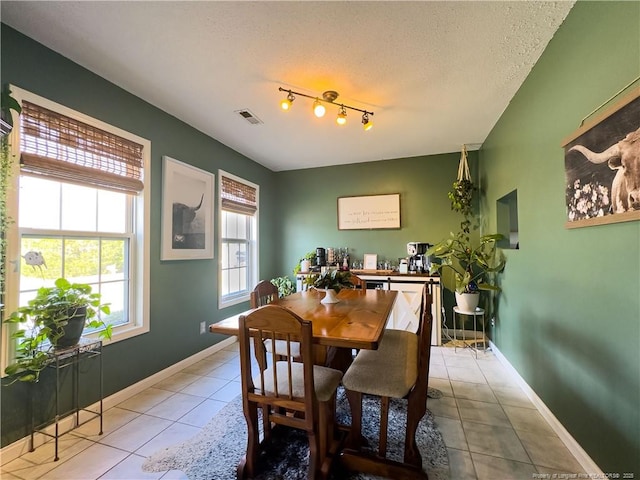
(249, 117)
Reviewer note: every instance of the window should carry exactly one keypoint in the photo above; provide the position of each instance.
(83, 212)
(238, 238)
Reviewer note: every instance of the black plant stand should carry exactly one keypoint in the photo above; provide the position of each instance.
(59, 360)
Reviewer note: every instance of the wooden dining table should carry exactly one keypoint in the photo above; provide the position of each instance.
(357, 321)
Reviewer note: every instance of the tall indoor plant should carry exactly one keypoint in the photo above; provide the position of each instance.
(55, 318)
(473, 265)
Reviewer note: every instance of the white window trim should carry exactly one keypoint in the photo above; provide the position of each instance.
(140, 319)
(253, 245)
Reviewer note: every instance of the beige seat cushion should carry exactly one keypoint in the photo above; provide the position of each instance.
(390, 371)
(326, 380)
(281, 348)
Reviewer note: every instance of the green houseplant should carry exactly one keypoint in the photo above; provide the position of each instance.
(309, 256)
(472, 265)
(285, 286)
(331, 281)
(55, 318)
(467, 267)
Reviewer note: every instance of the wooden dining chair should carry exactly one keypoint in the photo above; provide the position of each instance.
(399, 368)
(357, 282)
(264, 293)
(294, 394)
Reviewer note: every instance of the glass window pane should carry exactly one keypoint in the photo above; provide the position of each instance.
(112, 263)
(115, 294)
(33, 212)
(111, 212)
(241, 255)
(225, 282)
(44, 251)
(234, 280)
(225, 255)
(78, 208)
(81, 260)
(242, 227)
(233, 226)
(234, 255)
(242, 272)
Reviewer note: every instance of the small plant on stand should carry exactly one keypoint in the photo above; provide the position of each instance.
(48, 318)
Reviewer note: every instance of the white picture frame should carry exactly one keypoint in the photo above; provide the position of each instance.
(370, 261)
(188, 195)
(370, 212)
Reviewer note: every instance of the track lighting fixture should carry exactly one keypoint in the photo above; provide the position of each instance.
(319, 108)
(366, 123)
(286, 103)
(342, 116)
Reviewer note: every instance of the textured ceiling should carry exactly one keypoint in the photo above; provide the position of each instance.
(436, 74)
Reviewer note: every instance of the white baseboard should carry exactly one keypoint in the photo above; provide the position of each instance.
(22, 446)
(572, 445)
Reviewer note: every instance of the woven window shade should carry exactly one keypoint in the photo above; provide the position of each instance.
(238, 197)
(68, 150)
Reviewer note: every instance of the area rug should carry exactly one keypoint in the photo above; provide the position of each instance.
(214, 453)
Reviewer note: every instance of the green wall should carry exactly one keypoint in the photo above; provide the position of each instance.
(308, 204)
(569, 317)
(183, 293)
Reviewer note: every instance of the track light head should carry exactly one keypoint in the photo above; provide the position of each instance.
(286, 103)
(366, 123)
(342, 116)
(318, 109)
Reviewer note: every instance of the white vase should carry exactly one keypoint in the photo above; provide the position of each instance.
(330, 296)
(467, 302)
(305, 265)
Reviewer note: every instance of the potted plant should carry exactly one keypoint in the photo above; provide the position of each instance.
(285, 286)
(55, 318)
(473, 267)
(306, 261)
(331, 281)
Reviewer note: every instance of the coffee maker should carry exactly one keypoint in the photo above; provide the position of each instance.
(418, 261)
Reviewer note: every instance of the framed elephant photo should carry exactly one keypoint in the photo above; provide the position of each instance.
(187, 211)
(602, 167)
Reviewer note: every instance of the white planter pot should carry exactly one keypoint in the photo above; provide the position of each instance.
(467, 302)
(330, 296)
(305, 265)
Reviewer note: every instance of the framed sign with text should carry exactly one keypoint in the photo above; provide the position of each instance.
(369, 212)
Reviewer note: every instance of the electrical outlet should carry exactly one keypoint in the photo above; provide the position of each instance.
(203, 327)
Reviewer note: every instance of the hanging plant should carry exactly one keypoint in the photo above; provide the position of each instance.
(461, 195)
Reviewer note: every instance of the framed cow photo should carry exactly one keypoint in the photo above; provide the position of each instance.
(602, 167)
(187, 211)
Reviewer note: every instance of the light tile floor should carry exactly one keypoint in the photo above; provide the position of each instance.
(490, 427)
